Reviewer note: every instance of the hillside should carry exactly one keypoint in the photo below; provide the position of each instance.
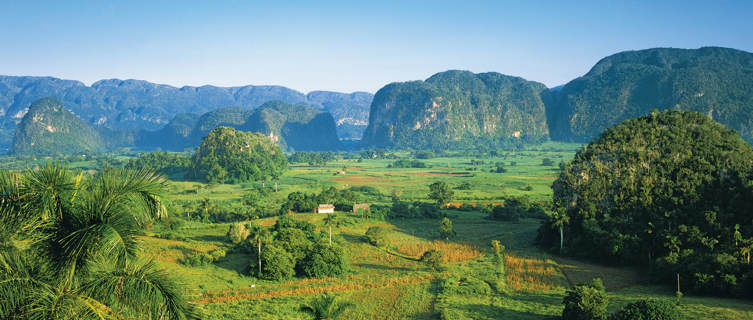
(456, 108)
(714, 81)
(49, 128)
(294, 127)
(135, 104)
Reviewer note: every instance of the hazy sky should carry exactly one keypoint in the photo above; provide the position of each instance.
(347, 45)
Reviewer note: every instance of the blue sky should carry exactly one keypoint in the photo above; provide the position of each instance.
(347, 45)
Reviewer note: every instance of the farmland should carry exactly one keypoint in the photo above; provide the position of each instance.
(390, 282)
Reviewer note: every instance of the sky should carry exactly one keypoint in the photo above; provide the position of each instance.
(347, 45)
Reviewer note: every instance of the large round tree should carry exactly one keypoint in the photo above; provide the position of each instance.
(671, 190)
(230, 155)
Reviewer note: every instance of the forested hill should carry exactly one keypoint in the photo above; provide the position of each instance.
(457, 108)
(134, 104)
(715, 81)
(49, 128)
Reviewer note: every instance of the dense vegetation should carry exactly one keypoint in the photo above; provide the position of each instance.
(670, 190)
(49, 128)
(229, 155)
(69, 247)
(714, 81)
(457, 108)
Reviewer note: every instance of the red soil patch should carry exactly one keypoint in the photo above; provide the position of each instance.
(359, 179)
(525, 177)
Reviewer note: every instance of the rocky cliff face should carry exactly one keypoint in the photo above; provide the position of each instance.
(456, 108)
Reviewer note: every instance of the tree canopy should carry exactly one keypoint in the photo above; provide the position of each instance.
(671, 190)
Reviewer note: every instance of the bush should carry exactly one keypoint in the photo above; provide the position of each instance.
(445, 228)
(432, 259)
(277, 263)
(325, 261)
(377, 235)
(585, 302)
(203, 258)
(465, 285)
(648, 310)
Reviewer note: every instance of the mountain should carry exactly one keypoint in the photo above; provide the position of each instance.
(49, 128)
(136, 105)
(293, 127)
(457, 108)
(715, 81)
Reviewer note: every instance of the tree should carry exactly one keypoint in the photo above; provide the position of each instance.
(441, 192)
(325, 261)
(69, 249)
(432, 259)
(278, 263)
(648, 310)
(325, 307)
(559, 220)
(585, 302)
(257, 235)
(445, 228)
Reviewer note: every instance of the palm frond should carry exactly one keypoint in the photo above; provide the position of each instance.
(144, 289)
(48, 189)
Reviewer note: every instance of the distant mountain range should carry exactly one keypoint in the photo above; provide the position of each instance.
(449, 109)
(134, 104)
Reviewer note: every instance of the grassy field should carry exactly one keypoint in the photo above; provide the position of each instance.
(390, 283)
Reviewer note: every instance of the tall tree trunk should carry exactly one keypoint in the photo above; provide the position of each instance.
(562, 239)
(259, 250)
(275, 186)
(330, 235)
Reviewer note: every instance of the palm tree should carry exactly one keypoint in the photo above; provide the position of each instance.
(331, 220)
(325, 307)
(68, 247)
(559, 220)
(258, 235)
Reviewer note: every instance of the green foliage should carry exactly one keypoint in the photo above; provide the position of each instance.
(162, 162)
(325, 307)
(667, 189)
(445, 228)
(648, 310)
(441, 192)
(311, 158)
(432, 259)
(516, 208)
(238, 232)
(585, 302)
(325, 261)
(204, 258)
(407, 163)
(277, 263)
(69, 246)
(229, 155)
(377, 235)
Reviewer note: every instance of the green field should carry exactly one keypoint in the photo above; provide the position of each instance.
(390, 283)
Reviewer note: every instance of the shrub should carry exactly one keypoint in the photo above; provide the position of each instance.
(585, 302)
(432, 259)
(648, 310)
(295, 242)
(377, 235)
(325, 261)
(466, 285)
(277, 263)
